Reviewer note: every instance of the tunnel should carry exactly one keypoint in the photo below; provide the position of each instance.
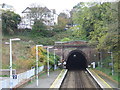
(76, 60)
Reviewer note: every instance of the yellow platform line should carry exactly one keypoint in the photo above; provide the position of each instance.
(101, 79)
(56, 80)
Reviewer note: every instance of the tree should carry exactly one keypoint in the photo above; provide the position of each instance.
(99, 21)
(40, 29)
(38, 12)
(63, 20)
(105, 27)
(42, 53)
(83, 18)
(10, 20)
(42, 18)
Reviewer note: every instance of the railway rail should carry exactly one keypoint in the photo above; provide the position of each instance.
(79, 79)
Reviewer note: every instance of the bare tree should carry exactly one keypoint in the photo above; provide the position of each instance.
(38, 12)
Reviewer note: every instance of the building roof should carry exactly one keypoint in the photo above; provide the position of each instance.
(58, 42)
(5, 6)
(28, 9)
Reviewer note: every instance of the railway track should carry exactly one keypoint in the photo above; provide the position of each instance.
(79, 79)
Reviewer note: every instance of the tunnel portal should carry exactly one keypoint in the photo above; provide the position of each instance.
(76, 60)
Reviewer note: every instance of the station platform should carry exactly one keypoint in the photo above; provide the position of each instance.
(101, 82)
(58, 81)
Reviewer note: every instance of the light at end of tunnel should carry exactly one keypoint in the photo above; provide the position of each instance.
(74, 55)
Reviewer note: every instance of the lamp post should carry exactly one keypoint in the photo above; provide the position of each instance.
(37, 62)
(61, 53)
(112, 62)
(60, 43)
(48, 60)
(54, 59)
(15, 39)
(100, 53)
(61, 50)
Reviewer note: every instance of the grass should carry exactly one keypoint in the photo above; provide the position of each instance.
(21, 49)
(107, 71)
(4, 75)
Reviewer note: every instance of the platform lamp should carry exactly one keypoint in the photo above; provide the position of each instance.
(54, 59)
(112, 62)
(100, 53)
(48, 59)
(37, 62)
(15, 39)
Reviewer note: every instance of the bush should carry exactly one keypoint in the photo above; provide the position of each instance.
(10, 20)
(65, 39)
(40, 29)
(24, 64)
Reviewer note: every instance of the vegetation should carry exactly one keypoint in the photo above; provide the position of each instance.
(65, 39)
(63, 20)
(42, 56)
(40, 29)
(96, 23)
(107, 71)
(24, 56)
(10, 20)
(4, 75)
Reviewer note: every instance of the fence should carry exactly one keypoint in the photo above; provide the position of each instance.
(20, 77)
(40, 68)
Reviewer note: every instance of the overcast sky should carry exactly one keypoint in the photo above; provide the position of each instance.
(59, 5)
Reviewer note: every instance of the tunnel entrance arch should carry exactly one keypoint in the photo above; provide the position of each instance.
(76, 60)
